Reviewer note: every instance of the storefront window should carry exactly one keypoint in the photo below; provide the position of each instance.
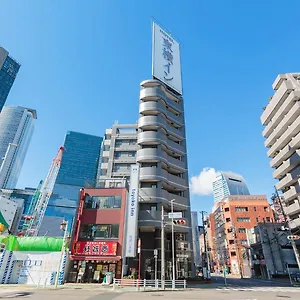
(102, 202)
(97, 231)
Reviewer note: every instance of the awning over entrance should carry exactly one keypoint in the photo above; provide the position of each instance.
(101, 258)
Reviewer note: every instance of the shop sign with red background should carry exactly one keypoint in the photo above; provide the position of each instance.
(96, 248)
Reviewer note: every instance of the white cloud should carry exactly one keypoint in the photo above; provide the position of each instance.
(203, 183)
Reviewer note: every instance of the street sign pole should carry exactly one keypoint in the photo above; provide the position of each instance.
(155, 267)
(292, 238)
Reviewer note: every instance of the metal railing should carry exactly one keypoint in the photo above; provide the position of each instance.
(145, 284)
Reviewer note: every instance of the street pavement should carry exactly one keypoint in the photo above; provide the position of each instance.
(236, 289)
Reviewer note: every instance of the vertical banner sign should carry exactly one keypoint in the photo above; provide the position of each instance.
(132, 212)
(166, 65)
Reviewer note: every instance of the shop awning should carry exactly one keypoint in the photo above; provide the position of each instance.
(95, 258)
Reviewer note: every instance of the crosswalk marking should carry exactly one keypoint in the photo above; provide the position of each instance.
(260, 289)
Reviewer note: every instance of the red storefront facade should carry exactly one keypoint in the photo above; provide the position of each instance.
(98, 235)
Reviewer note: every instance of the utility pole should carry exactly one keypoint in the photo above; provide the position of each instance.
(205, 246)
(173, 246)
(296, 252)
(237, 251)
(162, 237)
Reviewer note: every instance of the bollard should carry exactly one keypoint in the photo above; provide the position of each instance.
(144, 284)
(184, 284)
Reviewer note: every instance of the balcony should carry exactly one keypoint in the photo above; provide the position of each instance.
(286, 152)
(291, 132)
(288, 165)
(154, 137)
(156, 174)
(286, 121)
(156, 93)
(283, 110)
(155, 195)
(281, 94)
(126, 147)
(125, 159)
(155, 122)
(292, 193)
(150, 154)
(153, 106)
(105, 154)
(295, 223)
(293, 209)
(284, 182)
(104, 166)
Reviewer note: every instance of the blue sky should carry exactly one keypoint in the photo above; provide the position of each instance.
(82, 62)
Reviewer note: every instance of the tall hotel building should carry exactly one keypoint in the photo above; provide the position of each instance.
(281, 118)
(162, 157)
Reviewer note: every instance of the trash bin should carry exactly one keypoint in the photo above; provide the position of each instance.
(109, 277)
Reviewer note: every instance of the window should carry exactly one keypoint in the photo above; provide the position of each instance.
(227, 219)
(257, 220)
(231, 242)
(254, 208)
(102, 202)
(242, 230)
(266, 208)
(244, 242)
(241, 208)
(226, 208)
(233, 253)
(132, 142)
(97, 231)
(243, 219)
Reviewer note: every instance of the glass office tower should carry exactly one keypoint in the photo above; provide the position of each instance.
(9, 69)
(78, 169)
(16, 129)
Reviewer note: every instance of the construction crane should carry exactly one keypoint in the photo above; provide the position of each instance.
(31, 209)
(34, 220)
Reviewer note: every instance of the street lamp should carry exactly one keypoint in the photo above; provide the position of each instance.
(173, 246)
(64, 228)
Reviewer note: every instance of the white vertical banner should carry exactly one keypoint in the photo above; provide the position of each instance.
(132, 212)
(166, 59)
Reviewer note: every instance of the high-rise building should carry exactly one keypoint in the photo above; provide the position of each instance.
(281, 118)
(16, 129)
(227, 183)
(162, 157)
(9, 69)
(118, 153)
(78, 169)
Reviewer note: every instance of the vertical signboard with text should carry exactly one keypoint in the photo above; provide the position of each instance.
(132, 212)
(166, 65)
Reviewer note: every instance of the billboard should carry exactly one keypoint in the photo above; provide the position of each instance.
(132, 212)
(166, 59)
(96, 248)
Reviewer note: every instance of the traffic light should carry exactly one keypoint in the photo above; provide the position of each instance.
(179, 222)
(2, 247)
(293, 237)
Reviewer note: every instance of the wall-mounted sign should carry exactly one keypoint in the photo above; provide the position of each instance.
(166, 59)
(132, 212)
(96, 248)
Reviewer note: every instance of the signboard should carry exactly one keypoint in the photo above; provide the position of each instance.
(96, 248)
(175, 215)
(132, 212)
(166, 59)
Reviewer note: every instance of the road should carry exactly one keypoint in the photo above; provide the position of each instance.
(236, 289)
